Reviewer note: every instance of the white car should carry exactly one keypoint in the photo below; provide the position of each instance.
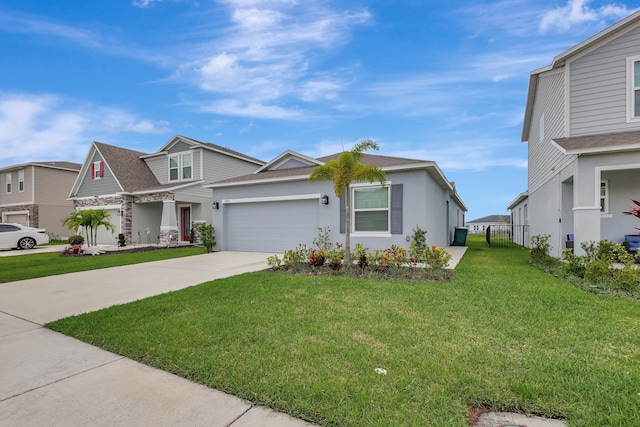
(21, 237)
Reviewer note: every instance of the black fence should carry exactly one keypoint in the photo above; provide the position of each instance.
(508, 235)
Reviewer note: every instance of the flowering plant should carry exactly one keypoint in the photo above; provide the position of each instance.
(634, 211)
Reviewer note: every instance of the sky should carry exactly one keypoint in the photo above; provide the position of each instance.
(427, 80)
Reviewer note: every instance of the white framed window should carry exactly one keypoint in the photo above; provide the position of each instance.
(97, 170)
(633, 89)
(8, 182)
(604, 196)
(187, 167)
(181, 167)
(21, 180)
(371, 209)
(174, 166)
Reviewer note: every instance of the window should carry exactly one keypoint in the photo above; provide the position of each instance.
(633, 84)
(181, 162)
(186, 166)
(173, 168)
(21, 180)
(97, 170)
(604, 196)
(8, 177)
(371, 209)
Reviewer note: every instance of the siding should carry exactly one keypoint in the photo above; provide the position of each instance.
(544, 158)
(598, 87)
(16, 197)
(160, 165)
(53, 186)
(179, 147)
(218, 166)
(97, 187)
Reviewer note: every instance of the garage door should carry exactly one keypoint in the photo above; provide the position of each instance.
(105, 237)
(20, 218)
(270, 226)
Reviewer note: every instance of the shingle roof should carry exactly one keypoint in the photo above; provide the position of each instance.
(490, 218)
(604, 142)
(54, 164)
(230, 151)
(369, 159)
(130, 170)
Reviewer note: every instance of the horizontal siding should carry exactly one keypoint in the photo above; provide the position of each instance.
(160, 168)
(16, 196)
(97, 187)
(53, 186)
(218, 166)
(598, 87)
(544, 158)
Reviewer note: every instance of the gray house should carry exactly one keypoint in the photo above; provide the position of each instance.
(582, 126)
(479, 226)
(155, 198)
(275, 208)
(35, 194)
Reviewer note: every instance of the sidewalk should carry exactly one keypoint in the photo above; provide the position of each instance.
(51, 379)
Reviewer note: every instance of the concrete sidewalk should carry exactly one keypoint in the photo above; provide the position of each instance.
(50, 379)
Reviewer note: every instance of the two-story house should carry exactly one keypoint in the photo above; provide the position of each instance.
(35, 194)
(582, 126)
(158, 197)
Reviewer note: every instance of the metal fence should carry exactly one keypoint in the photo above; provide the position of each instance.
(508, 235)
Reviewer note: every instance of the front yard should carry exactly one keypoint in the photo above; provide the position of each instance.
(501, 335)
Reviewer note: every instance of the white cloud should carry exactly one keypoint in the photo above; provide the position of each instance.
(232, 107)
(578, 12)
(48, 127)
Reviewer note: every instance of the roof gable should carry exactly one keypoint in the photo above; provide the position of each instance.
(194, 144)
(289, 160)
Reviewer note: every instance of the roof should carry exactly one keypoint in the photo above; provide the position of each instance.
(206, 145)
(62, 165)
(129, 169)
(600, 143)
(580, 49)
(386, 163)
(491, 218)
(519, 199)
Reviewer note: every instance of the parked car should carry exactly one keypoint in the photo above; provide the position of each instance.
(21, 237)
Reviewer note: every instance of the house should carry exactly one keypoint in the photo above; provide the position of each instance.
(35, 194)
(158, 197)
(582, 126)
(479, 226)
(275, 208)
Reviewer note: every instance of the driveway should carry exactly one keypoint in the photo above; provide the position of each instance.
(47, 378)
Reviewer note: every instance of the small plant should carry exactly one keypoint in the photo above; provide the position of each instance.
(207, 236)
(634, 210)
(418, 243)
(76, 239)
(323, 239)
(360, 255)
(121, 241)
(437, 258)
(295, 258)
(335, 257)
(317, 257)
(540, 247)
(274, 261)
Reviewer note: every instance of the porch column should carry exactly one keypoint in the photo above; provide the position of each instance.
(169, 223)
(586, 210)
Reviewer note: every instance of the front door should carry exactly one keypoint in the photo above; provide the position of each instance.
(185, 223)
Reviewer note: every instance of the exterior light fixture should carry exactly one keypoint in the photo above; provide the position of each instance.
(215, 205)
(324, 200)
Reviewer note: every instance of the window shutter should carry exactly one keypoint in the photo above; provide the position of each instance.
(101, 169)
(343, 212)
(396, 208)
(93, 170)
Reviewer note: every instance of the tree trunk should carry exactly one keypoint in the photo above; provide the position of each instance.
(347, 232)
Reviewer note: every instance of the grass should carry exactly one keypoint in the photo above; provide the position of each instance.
(31, 266)
(501, 335)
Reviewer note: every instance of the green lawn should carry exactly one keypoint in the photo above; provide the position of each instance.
(502, 335)
(23, 267)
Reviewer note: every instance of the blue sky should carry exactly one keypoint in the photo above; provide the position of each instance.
(431, 80)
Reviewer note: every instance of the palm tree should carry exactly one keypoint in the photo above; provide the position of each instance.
(90, 220)
(76, 220)
(343, 171)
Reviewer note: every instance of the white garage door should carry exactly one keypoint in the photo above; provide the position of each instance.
(20, 218)
(270, 226)
(105, 237)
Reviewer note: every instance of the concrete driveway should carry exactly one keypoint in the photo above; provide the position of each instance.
(50, 379)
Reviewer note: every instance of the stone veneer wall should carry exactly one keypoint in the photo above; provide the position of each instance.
(34, 211)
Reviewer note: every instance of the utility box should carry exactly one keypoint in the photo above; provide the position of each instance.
(460, 236)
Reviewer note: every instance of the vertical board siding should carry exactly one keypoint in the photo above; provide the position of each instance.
(598, 87)
(544, 158)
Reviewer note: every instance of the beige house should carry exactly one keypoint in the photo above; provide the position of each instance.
(35, 194)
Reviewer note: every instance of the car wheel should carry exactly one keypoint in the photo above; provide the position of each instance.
(26, 243)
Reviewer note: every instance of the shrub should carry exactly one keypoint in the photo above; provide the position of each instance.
(76, 239)
(540, 247)
(626, 278)
(360, 255)
(274, 261)
(317, 257)
(437, 258)
(336, 256)
(207, 236)
(294, 258)
(121, 241)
